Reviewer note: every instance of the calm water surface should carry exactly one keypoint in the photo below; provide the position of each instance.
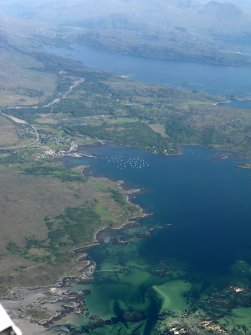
(239, 104)
(204, 203)
(213, 79)
(205, 206)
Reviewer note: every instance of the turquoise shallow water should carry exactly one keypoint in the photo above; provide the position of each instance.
(206, 201)
(204, 205)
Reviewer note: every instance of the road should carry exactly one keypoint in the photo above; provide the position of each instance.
(20, 121)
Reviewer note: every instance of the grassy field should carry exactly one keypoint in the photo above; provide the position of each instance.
(16, 134)
(153, 117)
(39, 197)
(8, 134)
(47, 210)
(23, 80)
(26, 200)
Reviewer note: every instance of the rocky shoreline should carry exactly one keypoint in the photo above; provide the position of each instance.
(36, 310)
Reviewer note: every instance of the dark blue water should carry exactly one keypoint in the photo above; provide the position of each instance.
(238, 104)
(206, 201)
(213, 79)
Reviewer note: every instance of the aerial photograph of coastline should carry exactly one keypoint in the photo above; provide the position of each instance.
(125, 167)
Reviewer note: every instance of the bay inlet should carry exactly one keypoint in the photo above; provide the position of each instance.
(194, 272)
(203, 207)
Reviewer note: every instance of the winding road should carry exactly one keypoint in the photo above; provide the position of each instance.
(23, 122)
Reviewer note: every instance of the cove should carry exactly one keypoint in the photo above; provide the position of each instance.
(206, 201)
(203, 206)
(190, 261)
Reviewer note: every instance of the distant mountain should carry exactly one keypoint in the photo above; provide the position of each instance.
(4, 43)
(5, 38)
(195, 30)
(178, 29)
(23, 80)
(20, 34)
(222, 18)
(218, 9)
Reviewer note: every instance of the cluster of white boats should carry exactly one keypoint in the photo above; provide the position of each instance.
(121, 162)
